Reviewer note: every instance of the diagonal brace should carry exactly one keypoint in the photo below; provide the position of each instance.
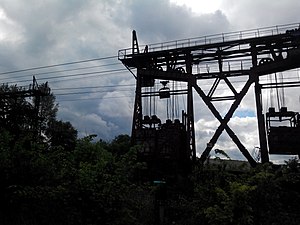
(224, 122)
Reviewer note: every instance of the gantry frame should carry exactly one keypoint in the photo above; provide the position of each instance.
(260, 52)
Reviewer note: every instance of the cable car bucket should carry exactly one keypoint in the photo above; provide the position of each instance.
(164, 92)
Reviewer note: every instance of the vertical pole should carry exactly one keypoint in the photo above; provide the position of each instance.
(261, 123)
(36, 93)
(259, 111)
(135, 44)
(137, 113)
(190, 110)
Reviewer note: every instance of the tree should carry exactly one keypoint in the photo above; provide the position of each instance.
(33, 112)
(120, 145)
(26, 110)
(47, 109)
(62, 134)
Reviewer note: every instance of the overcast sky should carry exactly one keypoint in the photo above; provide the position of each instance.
(35, 33)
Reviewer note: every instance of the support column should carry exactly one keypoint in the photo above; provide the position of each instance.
(190, 110)
(259, 112)
(261, 123)
(137, 113)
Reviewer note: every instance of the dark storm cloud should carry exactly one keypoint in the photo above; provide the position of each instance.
(41, 23)
(52, 31)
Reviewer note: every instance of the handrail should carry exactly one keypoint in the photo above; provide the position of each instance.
(215, 38)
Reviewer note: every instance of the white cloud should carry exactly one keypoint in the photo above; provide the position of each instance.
(245, 128)
(10, 32)
(247, 14)
(158, 20)
(91, 123)
(200, 6)
(115, 105)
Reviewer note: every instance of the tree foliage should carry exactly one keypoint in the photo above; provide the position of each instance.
(57, 178)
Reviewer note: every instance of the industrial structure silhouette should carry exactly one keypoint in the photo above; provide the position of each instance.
(215, 59)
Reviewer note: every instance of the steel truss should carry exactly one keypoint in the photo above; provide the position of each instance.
(248, 54)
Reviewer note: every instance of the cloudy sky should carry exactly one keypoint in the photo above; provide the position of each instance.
(73, 45)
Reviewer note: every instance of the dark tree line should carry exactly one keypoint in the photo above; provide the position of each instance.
(57, 178)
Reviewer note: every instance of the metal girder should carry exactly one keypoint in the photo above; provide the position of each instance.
(224, 121)
(281, 85)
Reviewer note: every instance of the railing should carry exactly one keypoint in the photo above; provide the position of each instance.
(211, 39)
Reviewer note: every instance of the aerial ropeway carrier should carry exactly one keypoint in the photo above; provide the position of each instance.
(283, 128)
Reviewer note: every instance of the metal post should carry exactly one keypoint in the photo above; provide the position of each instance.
(259, 111)
(190, 110)
(261, 124)
(135, 44)
(137, 113)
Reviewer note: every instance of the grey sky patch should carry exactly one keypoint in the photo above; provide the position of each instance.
(246, 14)
(159, 20)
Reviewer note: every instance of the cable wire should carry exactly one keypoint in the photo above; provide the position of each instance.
(66, 70)
(99, 98)
(84, 75)
(93, 87)
(92, 92)
(57, 65)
